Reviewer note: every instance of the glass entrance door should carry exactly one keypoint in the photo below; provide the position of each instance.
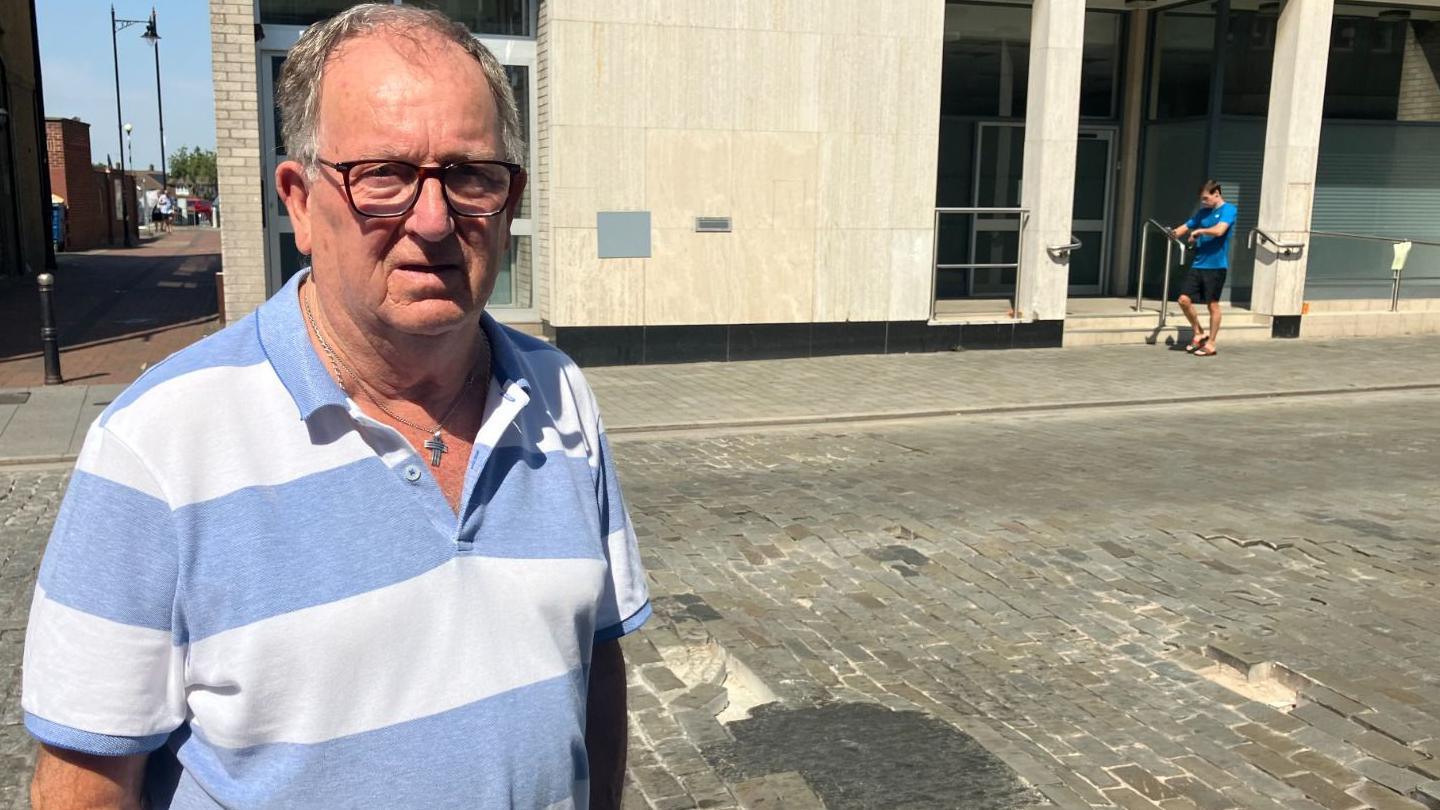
(1094, 159)
(999, 161)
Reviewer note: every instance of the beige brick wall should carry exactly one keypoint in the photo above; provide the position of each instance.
(540, 167)
(1420, 75)
(237, 149)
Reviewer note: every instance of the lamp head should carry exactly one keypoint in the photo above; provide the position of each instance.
(151, 35)
(129, 128)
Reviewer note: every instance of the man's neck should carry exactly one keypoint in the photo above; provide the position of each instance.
(428, 370)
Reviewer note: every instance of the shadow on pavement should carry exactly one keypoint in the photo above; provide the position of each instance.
(114, 295)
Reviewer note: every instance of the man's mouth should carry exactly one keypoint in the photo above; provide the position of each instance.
(425, 267)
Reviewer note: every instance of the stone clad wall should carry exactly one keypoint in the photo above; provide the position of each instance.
(237, 149)
(814, 126)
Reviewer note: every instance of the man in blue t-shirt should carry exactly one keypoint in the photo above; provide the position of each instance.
(1209, 234)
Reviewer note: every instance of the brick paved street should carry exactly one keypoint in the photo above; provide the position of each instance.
(118, 311)
(1014, 610)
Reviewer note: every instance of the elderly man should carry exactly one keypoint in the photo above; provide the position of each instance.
(366, 547)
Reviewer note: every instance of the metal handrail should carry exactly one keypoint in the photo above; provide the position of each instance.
(1396, 273)
(1170, 244)
(1065, 250)
(1283, 248)
(936, 266)
(1391, 239)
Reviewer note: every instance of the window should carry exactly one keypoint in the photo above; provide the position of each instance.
(501, 18)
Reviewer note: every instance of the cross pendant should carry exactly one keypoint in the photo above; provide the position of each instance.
(436, 445)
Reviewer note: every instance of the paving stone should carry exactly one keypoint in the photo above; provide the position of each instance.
(1383, 799)
(1325, 793)
(1397, 779)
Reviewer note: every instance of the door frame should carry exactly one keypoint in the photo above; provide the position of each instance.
(1107, 132)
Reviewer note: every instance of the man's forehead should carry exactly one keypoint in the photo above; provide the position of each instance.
(381, 84)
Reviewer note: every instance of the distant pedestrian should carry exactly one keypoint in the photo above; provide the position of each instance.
(166, 207)
(1209, 233)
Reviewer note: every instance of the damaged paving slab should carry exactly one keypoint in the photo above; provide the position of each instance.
(1228, 605)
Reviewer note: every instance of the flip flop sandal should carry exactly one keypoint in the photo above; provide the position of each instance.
(1205, 351)
(1196, 342)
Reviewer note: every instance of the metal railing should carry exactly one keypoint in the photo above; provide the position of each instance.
(1022, 213)
(1064, 251)
(1283, 248)
(1397, 274)
(1171, 244)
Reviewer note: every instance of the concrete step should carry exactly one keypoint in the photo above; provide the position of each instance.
(1170, 335)
(1146, 320)
(1369, 324)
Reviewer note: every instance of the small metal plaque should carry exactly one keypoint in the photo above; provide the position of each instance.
(712, 224)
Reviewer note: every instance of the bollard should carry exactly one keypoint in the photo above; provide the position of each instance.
(49, 335)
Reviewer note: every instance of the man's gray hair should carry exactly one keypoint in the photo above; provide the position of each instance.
(298, 93)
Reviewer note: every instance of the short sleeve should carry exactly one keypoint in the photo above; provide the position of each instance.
(626, 604)
(103, 662)
(1193, 222)
(1228, 213)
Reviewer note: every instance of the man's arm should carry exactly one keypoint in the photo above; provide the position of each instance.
(70, 780)
(606, 733)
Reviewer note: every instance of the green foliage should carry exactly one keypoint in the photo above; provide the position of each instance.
(193, 166)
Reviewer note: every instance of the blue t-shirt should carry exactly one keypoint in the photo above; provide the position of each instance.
(1213, 252)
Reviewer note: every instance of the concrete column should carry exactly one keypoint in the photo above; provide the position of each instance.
(1292, 148)
(1052, 125)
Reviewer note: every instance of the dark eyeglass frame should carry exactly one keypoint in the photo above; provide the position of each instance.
(424, 173)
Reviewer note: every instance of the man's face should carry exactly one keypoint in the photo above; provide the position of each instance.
(422, 100)
(1209, 199)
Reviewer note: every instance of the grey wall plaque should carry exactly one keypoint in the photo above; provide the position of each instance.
(623, 234)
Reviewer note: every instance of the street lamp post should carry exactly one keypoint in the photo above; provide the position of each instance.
(152, 36)
(116, 26)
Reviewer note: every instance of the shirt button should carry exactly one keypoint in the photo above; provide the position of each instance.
(412, 473)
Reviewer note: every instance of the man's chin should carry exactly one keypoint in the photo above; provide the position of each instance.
(433, 316)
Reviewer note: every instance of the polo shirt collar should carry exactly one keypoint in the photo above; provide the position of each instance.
(285, 339)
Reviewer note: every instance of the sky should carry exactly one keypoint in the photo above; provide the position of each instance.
(79, 73)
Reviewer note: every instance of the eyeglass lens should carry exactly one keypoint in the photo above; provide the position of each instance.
(388, 189)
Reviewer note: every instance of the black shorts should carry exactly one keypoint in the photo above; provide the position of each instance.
(1203, 286)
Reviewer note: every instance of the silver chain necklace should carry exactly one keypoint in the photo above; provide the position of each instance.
(436, 443)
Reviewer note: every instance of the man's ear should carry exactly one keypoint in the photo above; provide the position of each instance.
(512, 208)
(293, 187)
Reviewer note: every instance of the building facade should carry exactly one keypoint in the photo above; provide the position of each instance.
(88, 198)
(24, 195)
(767, 178)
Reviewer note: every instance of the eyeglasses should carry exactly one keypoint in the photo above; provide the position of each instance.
(390, 188)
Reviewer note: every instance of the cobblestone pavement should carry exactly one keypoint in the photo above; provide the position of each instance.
(637, 397)
(1013, 611)
(1056, 586)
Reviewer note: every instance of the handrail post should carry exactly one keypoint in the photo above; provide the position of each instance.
(1140, 276)
(934, 265)
(1165, 285)
(1395, 291)
(1019, 261)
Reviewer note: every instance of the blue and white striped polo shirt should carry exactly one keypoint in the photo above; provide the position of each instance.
(249, 572)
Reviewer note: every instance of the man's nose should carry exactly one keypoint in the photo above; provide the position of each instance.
(430, 219)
